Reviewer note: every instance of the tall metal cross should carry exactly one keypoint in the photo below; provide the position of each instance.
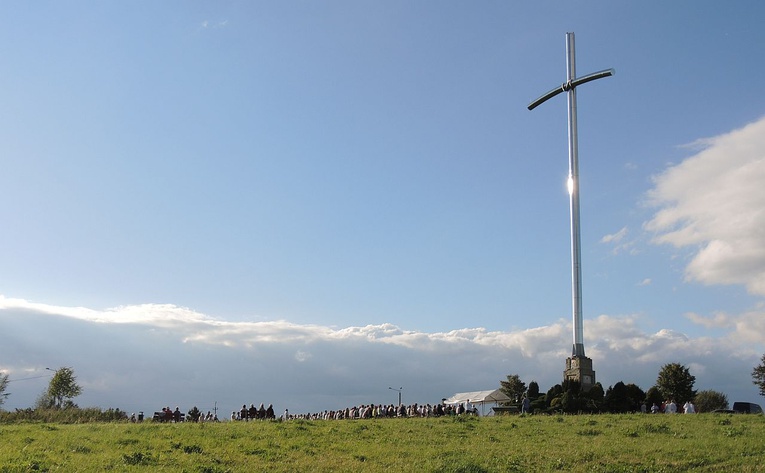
(573, 181)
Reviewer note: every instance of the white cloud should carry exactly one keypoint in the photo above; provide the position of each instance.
(142, 357)
(748, 327)
(714, 204)
(645, 282)
(206, 24)
(615, 237)
(302, 356)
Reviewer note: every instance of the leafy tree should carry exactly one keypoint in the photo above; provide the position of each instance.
(3, 387)
(707, 401)
(538, 404)
(44, 401)
(624, 398)
(597, 394)
(514, 388)
(553, 393)
(616, 399)
(574, 400)
(63, 388)
(653, 396)
(533, 391)
(675, 381)
(595, 398)
(758, 376)
(573, 403)
(635, 395)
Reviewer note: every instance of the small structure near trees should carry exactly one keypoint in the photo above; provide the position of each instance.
(480, 399)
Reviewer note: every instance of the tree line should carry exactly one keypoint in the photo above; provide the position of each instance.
(674, 382)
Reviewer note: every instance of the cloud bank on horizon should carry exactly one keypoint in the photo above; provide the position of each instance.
(141, 357)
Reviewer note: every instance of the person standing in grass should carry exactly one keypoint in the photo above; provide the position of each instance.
(689, 408)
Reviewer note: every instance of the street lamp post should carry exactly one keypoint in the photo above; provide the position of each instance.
(399, 393)
(573, 188)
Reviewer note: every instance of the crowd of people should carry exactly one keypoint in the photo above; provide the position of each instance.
(364, 411)
(254, 413)
(169, 415)
(669, 407)
(372, 411)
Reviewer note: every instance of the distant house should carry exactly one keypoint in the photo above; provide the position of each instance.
(483, 400)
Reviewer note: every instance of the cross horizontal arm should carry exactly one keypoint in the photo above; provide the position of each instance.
(546, 97)
(566, 86)
(592, 77)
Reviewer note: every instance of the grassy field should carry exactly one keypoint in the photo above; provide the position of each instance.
(608, 443)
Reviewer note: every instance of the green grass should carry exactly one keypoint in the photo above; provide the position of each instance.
(598, 443)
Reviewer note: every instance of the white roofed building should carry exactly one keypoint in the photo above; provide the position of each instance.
(480, 399)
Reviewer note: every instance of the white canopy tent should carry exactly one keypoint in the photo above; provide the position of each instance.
(478, 398)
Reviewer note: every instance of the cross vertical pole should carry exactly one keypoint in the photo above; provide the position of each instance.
(573, 183)
(573, 190)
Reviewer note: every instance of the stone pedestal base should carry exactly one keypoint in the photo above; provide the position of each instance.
(579, 368)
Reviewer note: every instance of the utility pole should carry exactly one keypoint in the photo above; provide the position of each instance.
(399, 393)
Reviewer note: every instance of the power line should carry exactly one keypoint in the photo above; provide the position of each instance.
(25, 379)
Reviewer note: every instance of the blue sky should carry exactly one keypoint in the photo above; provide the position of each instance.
(369, 171)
